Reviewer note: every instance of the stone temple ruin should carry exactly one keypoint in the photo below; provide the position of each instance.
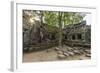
(78, 34)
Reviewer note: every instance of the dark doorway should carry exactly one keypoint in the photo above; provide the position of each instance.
(79, 36)
(73, 37)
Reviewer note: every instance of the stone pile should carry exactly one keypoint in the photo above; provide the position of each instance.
(63, 53)
(69, 52)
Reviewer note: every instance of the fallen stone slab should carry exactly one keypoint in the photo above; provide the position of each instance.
(88, 51)
(57, 49)
(76, 51)
(71, 53)
(81, 51)
(61, 56)
(66, 54)
(59, 52)
(88, 55)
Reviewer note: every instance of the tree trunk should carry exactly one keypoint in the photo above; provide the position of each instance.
(60, 29)
(41, 24)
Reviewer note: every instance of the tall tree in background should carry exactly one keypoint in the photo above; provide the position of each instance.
(60, 28)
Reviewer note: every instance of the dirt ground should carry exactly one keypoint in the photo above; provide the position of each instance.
(49, 55)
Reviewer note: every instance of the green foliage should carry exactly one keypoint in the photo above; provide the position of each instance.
(72, 18)
(50, 18)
